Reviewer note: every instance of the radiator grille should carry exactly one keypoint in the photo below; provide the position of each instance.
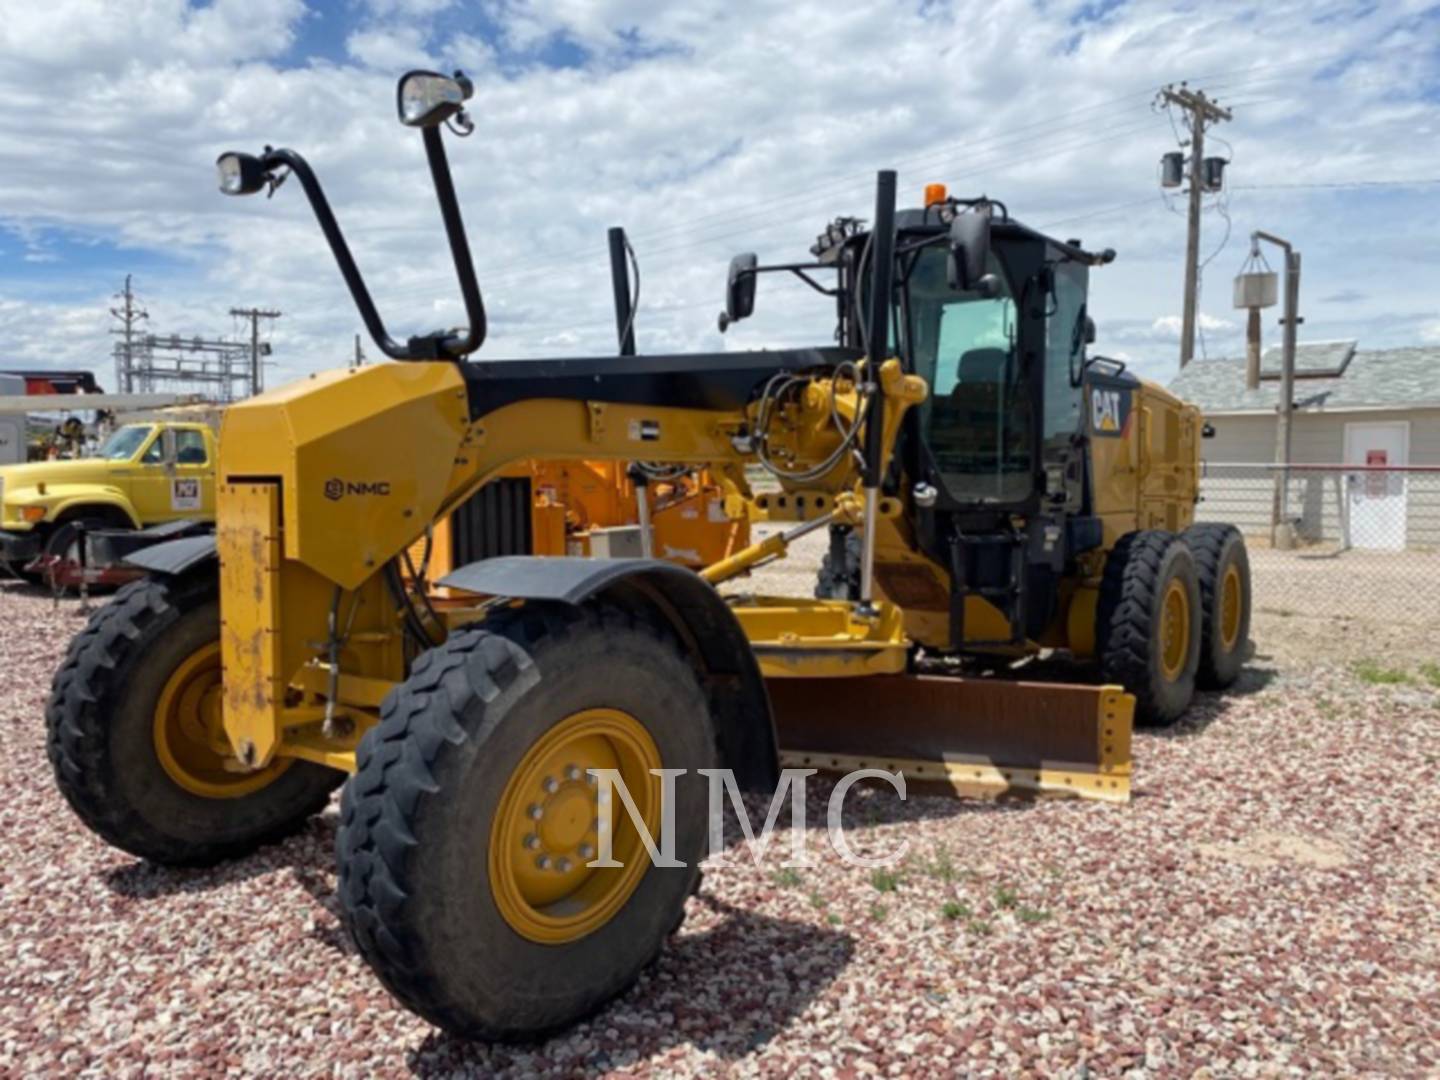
(494, 521)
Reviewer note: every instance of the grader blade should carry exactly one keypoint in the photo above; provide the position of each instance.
(969, 737)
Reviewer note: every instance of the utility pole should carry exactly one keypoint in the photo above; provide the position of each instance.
(359, 354)
(1200, 111)
(129, 315)
(257, 379)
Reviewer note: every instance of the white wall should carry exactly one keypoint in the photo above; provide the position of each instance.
(1244, 496)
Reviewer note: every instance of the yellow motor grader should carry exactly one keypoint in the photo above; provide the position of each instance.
(992, 493)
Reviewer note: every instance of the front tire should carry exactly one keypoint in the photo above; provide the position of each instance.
(134, 736)
(1148, 624)
(465, 833)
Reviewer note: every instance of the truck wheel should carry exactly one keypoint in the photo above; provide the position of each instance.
(1147, 630)
(64, 540)
(467, 832)
(1223, 567)
(134, 735)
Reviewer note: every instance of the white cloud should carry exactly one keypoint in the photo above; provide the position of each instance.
(1172, 325)
(391, 47)
(706, 128)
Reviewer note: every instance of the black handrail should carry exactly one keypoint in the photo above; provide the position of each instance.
(882, 270)
(424, 347)
(620, 286)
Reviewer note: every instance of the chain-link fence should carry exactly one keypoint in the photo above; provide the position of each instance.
(1359, 542)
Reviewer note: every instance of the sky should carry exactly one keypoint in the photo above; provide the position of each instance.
(705, 128)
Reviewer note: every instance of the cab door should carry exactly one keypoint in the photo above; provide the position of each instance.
(192, 475)
(145, 482)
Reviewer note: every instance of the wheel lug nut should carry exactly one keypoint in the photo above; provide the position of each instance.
(587, 852)
(543, 862)
(572, 772)
(531, 841)
(550, 784)
(562, 865)
(535, 812)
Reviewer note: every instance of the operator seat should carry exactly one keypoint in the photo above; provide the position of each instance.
(965, 421)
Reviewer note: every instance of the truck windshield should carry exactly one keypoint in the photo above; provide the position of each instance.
(122, 443)
(977, 418)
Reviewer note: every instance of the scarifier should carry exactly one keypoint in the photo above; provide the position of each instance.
(990, 492)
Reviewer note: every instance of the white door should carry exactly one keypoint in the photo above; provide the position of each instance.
(1376, 498)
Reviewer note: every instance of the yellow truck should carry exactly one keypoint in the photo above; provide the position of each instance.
(145, 474)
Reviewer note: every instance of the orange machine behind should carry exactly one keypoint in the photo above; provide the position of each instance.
(563, 508)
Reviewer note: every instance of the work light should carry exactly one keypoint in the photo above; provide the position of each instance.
(426, 98)
(240, 174)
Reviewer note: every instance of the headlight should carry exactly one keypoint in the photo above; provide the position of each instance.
(239, 174)
(425, 98)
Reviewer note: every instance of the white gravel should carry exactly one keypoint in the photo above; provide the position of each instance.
(1268, 904)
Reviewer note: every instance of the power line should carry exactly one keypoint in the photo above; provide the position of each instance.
(1340, 184)
(771, 216)
(525, 270)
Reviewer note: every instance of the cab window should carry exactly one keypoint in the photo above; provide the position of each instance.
(155, 452)
(190, 447)
(977, 418)
(1064, 350)
(123, 442)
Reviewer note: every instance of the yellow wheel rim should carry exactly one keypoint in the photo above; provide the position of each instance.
(1174, 630)
(190, 736)
(546, 828)
(1230, 607)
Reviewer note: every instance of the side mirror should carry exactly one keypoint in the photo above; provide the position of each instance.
(1207, 431)
(970, 253)
(1089, 330)
(739, 290)
(426, 98)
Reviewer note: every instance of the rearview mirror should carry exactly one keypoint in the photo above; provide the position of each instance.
(427, 98)
(739, 289)
(970, 252)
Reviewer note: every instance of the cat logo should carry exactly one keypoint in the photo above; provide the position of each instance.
(1109, 409)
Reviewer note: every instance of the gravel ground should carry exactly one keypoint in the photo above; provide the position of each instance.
(1268, 904)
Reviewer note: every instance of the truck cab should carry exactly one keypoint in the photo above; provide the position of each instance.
(143, 474)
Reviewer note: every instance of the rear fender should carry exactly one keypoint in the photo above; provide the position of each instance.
(691, 607)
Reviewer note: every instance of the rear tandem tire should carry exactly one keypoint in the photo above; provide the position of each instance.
(153, 652)
(1223, 567)
(1147, 629)
(464, 833)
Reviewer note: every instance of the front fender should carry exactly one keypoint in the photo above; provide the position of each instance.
(61, 499)
(701, 620)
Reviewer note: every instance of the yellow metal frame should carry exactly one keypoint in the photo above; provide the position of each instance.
(318, 498)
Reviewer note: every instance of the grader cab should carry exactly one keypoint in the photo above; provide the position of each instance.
(991, 492)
